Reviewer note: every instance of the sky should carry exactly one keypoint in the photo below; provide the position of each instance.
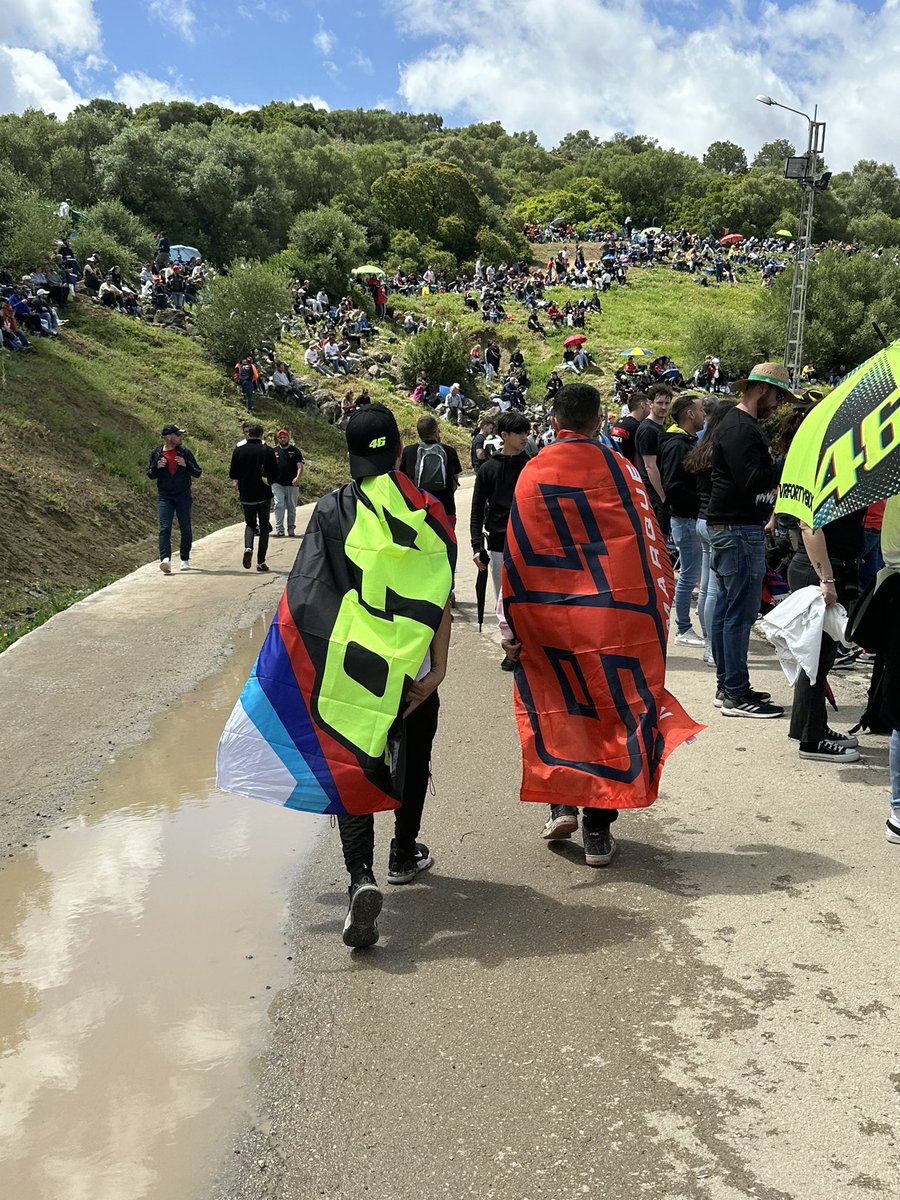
(685, 72)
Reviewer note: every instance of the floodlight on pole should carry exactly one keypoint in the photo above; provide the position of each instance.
(805, 169)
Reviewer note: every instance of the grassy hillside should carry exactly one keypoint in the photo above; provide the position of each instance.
(77, 421)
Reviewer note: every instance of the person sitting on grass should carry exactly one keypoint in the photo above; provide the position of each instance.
(313, 361)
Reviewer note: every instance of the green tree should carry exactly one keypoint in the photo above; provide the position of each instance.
(442, 359)
(28, 223)
(871, 187)
(876, 230)
(576, 145)
(324, 245)
(241, 311)
(726, 157)
(771, 155)
(846, 294)
(418, 196)
(589, 202)
(739, 342)
(114, 219)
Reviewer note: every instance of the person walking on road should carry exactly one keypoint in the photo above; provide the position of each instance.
(253, 468)
(351, 667)
(587, 587)
(492, 497)
(286, 484)
(684, 505)
(741, 500)
(173, 467)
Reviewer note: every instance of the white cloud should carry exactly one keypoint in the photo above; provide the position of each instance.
(362, 61)
(30, 79)
(687, 85)
(67, 25)
(135, 88)
(315, 101)
(177, 14)
(324, 41)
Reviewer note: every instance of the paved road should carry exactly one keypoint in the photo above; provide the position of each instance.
(712, 1017)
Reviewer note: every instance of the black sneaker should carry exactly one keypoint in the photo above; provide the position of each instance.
(562, 824)
(720, 698)
(261, 567)
(361, 925)
(846, 660)
(507, 664)
(748, 706)
(841, 739)
(247, 560)
(828, 751)
(600, 847)
(403, 867)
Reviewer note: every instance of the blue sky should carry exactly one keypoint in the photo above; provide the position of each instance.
(685, 72)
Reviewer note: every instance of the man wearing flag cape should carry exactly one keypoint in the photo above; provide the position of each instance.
(340, 711)
(587, 592)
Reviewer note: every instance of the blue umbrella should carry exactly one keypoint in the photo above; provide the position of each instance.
(184, 252)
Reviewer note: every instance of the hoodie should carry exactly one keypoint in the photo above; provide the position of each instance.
(679, 485)
(492, 497)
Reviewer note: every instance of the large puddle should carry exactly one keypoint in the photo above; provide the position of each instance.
(140, 947)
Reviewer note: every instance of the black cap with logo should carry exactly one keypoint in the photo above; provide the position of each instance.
(167, 429)
(373, 440)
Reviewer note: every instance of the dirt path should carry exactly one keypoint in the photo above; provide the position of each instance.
(712, 1018)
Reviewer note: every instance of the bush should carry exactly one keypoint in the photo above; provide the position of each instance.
(738, 342)
(442, 359)
(94, 240)
(29, 226)
(324, 245)
(114, 219)
(242, 310)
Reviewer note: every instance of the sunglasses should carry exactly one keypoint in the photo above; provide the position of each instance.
(780, 396)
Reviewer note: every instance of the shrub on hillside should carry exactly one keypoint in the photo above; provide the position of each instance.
(111, 252)
(29, 225)
(442, 359)
(324, 245)
(739, 342)
(114, 219)
(242, 310)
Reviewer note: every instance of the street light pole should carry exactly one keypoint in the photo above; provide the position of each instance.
(805, 169)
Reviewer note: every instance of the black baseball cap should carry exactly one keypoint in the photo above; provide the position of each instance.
(166, 429)
(373, 440)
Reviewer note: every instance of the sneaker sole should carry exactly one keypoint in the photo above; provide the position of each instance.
(755, 716)
(561, 829)
(360, 926)
(892, 835)
(601, 860)
(850, 756)
(410, 876)
(717, 703)
(165, 568)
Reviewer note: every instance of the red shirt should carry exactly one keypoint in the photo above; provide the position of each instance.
(169, 456)
(874, 515)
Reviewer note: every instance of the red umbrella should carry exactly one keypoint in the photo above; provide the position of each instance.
(575, 340)
(731, 238)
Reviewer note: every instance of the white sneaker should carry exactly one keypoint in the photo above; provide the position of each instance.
(164, 566)
(185, 564)
(892, 826)
(708, 654)
(689, 638)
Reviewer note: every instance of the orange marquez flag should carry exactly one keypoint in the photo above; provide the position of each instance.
(587, 591)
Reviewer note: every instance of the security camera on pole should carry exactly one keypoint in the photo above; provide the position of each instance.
(805, 169)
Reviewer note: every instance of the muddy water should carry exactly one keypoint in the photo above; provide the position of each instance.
(140, 947)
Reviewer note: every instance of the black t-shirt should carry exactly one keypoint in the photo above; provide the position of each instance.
(743, 473)
(478, 444)
(288, 458)
(646, 442)
(447, 496)
(623, 434)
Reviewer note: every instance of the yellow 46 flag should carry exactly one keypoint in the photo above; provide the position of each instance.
(845, 454)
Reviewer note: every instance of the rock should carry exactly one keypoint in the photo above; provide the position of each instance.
(321, 397)
(374, 372)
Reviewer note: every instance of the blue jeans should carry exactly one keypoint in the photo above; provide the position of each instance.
(894, 761)
(739, 561)
(872, 560)
(684, 531)
(285, 502)
(168, 507)
(709, 585)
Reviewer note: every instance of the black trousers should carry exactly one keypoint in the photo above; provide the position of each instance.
(358, 833)
(256, 518)
(809, 715)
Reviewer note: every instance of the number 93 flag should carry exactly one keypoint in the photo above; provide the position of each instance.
(361, 607)
(587, 591)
